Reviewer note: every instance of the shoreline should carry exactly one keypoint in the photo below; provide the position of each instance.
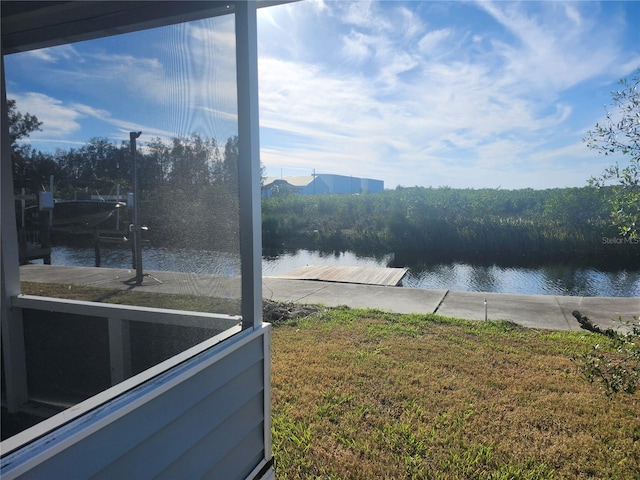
(529, 310)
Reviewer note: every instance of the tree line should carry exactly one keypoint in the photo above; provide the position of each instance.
(445, 224)
(188, 185)
(184, 163)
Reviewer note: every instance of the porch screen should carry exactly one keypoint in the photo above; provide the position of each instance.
(126, 191)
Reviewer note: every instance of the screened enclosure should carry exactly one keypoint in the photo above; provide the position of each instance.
(176, 86)
(145, 152)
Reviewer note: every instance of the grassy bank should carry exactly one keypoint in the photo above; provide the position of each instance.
(362, 394)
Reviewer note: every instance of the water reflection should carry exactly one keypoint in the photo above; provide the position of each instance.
(543, 280)
(483, 279)
(285, 261)
(546, 280)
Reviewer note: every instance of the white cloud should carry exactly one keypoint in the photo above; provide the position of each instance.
(128, 75)
(555, 45)
(410, 24)
(573, 14)
(62, 122)
(88, 111)
(55, 54)
(364, 14)
(431, 42)
(318, 5)
(435, 93)
(58, 120)
(461, 97)
(187, 69)
(356, 47)
(344, 117)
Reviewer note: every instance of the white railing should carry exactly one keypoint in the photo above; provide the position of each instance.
(123, 406)
(118, 317)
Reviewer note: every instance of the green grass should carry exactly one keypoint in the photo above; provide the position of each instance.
(361, 394)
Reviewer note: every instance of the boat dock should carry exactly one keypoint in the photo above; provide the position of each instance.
(390, 277)
(533, 311)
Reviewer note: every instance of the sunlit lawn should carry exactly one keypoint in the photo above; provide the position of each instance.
(362, 395)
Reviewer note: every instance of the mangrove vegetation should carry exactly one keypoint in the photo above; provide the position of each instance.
(445, 224)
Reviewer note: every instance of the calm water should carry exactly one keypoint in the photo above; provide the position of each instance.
(546, 279)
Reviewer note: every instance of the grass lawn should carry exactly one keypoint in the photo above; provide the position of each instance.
(364, 394)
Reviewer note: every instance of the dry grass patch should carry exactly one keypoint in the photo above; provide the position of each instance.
(362, 394)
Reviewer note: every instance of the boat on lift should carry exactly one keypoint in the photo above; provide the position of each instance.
(84, 214)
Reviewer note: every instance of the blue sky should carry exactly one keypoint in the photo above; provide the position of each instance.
(463, 94)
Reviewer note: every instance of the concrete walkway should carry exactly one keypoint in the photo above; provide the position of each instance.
(535, 311)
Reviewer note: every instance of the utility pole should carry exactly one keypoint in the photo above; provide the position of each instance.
(137, 248)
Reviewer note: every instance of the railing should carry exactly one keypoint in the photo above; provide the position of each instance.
(206, 409)
(75, 349)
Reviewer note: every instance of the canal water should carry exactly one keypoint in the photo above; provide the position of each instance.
(556, 279)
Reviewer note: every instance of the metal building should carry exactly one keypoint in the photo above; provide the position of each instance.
(320, 184)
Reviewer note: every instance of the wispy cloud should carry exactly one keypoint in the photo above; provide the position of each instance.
(433, 42)
(54, 54)
(455, 93)
(171, 82)
(62, 120)
(415, 88)
(556, 46)
(59, 120)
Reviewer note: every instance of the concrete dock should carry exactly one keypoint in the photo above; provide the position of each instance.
(387, 277)
(534, 311)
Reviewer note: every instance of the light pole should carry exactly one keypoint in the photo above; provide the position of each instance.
(137, 249)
